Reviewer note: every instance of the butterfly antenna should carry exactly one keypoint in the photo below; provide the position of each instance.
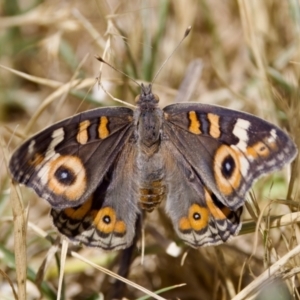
(105, 62)
(187, 31)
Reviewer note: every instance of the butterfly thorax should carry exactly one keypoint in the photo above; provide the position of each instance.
(150, 163)
(148, 119)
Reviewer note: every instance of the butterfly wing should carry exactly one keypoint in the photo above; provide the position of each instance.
(65, 163)
(215, 155)
(198, 217)
(228, 149)
(108, 218)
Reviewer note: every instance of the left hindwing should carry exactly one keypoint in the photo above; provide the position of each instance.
(109, 217)
(226, 149)
(65, 163)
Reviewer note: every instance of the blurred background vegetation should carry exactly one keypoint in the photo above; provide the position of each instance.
(240, 54)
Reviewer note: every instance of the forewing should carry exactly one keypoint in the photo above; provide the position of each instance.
(227, 149)
(65, 163)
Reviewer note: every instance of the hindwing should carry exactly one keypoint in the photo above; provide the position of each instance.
(108, 218)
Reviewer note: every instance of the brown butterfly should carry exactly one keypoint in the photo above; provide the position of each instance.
(99, 169)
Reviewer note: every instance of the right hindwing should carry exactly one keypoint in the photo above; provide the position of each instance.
(198, 216)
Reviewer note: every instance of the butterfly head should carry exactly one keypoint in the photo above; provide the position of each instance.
(146, 99)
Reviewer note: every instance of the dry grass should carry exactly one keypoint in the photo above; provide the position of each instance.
(250, 56)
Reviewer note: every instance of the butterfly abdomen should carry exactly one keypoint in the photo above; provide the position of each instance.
(151, 177)
(152, 196)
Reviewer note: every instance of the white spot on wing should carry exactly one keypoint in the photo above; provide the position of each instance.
(244, 163)
(240, 131)
(43, 172)
(280, 156)
(286, 150)
(57, 137)
(273, 133)
(273, 136)
(260, 167)
(272, 162)
(31, 147)
(243, 160)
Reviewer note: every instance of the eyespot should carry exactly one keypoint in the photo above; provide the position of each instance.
(106, 219)
(197, 219)
(106, 222)
(227, 169)
(228, 166)
(67, 177)
(196, 216)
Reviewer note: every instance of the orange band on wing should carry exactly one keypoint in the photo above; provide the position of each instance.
(102, 129)
(218, 213)
(82, 135)
(79, 213)
(194, 123)
(214, 126)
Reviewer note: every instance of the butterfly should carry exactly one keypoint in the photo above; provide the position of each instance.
(102, 168)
